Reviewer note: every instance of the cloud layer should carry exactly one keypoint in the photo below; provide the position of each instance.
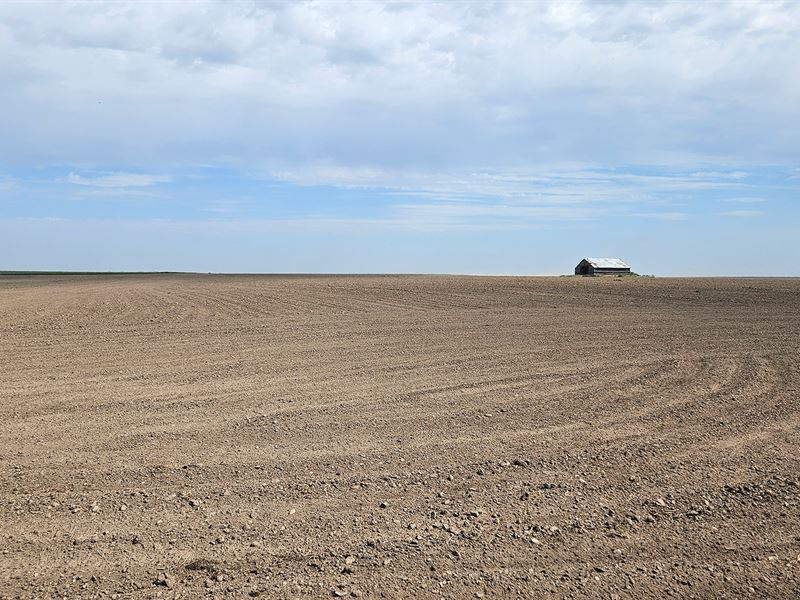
(353, 89)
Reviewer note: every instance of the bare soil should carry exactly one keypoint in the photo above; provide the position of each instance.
(382, 437)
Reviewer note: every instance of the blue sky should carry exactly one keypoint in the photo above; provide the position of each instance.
(400, 137)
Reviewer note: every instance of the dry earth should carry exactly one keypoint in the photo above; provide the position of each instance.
(384, 437)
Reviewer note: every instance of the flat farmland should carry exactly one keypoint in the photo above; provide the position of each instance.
(399, 436)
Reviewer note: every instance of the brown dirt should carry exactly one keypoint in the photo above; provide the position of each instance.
(430, 437)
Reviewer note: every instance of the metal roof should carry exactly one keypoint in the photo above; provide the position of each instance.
(607, 263)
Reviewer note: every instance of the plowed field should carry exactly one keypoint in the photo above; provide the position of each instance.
(383, 437)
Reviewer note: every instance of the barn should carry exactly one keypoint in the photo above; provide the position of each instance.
(602, 266)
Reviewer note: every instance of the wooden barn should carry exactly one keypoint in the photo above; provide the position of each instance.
(602, 266)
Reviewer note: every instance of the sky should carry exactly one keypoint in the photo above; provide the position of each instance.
(372, 137)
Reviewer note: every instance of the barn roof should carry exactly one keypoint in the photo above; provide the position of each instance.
(607, 263)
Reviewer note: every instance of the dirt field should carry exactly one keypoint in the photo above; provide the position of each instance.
(385, 437)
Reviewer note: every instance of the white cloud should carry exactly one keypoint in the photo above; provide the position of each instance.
(720, 175)
(746, 199)
(7, 184)
(486, 212)
(664, 216)
(512, 198)
(448, 87)
(118, 180)
(742, 213)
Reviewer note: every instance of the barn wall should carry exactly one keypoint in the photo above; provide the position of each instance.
(610, 271)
